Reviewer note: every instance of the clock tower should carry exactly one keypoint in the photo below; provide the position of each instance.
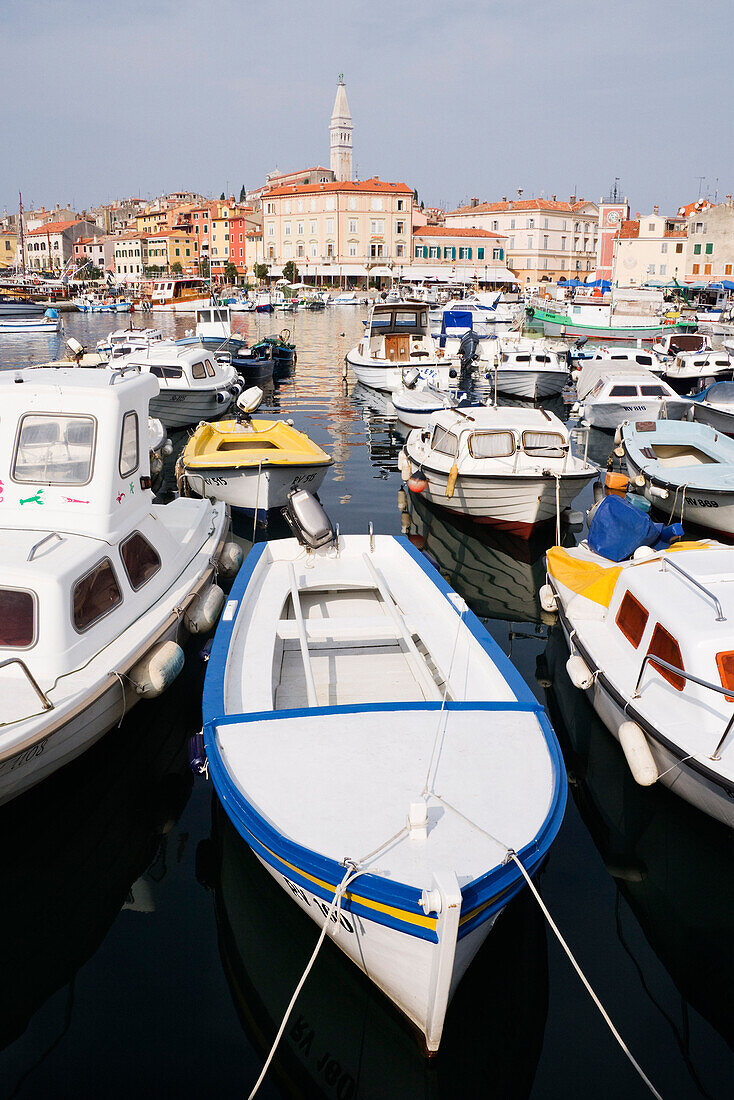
(612, 212)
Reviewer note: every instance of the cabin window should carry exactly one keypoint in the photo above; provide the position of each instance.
(198, 371)
(664, 646)
(381, 320)
(165, 372)
(544, 444)
(632, 619)
(129, 449)
(445, 442)
(96, 594)
(54, 450)
(491, 444)
(17, 618)
(405, 319)
(623, 391)
(652, 391)
(140, 559)
(209, 369)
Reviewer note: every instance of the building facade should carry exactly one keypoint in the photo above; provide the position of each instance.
(460, 255)
(169, 247)
(709, 254)
(50, 247)
(649, 249)
(547, 240)
(97, 251)
(338, 230)
(130, 257)
(611, 216)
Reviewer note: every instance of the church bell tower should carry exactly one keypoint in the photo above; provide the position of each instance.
(340, 131)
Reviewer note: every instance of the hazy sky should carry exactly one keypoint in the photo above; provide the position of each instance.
(457, 98)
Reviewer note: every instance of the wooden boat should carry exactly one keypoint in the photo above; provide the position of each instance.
(99, 584)
(685, 470)
(252, 464)
(652, 646)
(364, 731)
(509, 466)
(179, 295)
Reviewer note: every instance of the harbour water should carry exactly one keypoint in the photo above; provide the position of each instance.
(143, 949)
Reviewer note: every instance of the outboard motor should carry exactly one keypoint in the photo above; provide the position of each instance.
(307, 519)
(410, 377)
(247, 403)
(468, 348)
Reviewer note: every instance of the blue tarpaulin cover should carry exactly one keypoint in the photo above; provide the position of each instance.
(618, 529)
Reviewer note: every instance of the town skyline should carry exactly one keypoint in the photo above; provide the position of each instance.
(500, 118)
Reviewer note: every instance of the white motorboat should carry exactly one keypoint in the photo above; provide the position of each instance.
(125, 340)
(692, 370)
(482, 312)
(632, 356)
(671, 344)
(176, 294)
(347, 298)
(610, 393)
(99, 584)
(653, 647)
(370, 742)
(715, 406)
(396, 338)
(509, 466)
(30, 326)
(420, 397)
(96, 303)
(532, 369)
(194, 385)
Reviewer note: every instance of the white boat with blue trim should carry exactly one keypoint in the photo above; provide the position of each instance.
(397, 338)
(365, 733)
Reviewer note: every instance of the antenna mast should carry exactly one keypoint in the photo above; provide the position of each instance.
(22, 241)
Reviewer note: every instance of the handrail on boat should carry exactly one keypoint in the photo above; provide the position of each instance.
(47, 704)
(307, 670)
(696, 680)
(118, 372)
(39, 544)
(720, 616)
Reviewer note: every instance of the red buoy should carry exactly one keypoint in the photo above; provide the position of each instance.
(417, 482)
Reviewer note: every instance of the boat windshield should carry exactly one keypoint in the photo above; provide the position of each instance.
(54, 449)
(721, 392)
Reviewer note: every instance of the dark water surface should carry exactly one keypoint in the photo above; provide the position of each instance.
(144, 951)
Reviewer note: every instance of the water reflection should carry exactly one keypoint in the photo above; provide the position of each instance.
(344, 1039)
(672, 865)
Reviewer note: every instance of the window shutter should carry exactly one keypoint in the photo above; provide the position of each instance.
(453, 253)
(425, 251)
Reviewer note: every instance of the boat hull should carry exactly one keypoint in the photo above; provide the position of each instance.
(608, 415)
(186, 306)
(178, 408)
(560, 325)
(389, 376)
(709, 508)
(530, 384)
(253, 490)
(717, 418)
(8, 326)
(514, 504)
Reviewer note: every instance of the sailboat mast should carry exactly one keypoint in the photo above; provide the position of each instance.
(22, 241)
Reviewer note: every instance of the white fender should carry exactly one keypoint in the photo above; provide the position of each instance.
(637, 754)
(230, 559)
(548, 598)
(156, 672)
(658, 491)
(404, 465)
(203, 612)
(578, 672)
(640, 481)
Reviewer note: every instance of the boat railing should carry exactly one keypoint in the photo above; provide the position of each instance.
(720, 616)
(696, 680)
(45, 701)
(118, 372)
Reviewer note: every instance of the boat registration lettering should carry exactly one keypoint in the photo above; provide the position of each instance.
(215, 481)
(322, 906)
(301, 479)
(24, 757)
(634, 408)
(692, 502)
(340, 1081)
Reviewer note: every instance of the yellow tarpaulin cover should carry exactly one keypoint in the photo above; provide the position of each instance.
(595, 582)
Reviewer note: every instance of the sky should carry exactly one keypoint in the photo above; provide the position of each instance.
(458, 99)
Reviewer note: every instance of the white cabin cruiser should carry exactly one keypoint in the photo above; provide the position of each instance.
(527, 368)
(691, 370)
(652, 643)
(610, 393)
(194, 385)
(99, 584)
(420, 397)
(671, 344)
(123, 341)
(396, 338)
(510, 466)
(483, 312)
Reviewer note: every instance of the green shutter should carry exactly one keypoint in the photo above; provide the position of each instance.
(425, 251)
(453, 253)
(697, 250)
(480, 253)
(709, 249)
(502, 253)
(468, 253)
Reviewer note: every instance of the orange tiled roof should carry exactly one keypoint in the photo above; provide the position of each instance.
(52, 227)
(694, 207)
(522, 204)
(445, 231)
(340, 185)
(629, 229)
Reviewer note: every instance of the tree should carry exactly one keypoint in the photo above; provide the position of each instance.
(221, 197)
(205, 268)
(153, 269)
(260, 271)
(290, 272)
(92, 272)
(243, 193)
(230, 272)
(176, 268)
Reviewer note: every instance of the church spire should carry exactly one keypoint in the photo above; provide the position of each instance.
(340, 130)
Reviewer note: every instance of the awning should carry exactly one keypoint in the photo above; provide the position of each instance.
(382, 273)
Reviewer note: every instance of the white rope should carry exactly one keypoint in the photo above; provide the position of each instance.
(605, 1015)
(350, 875)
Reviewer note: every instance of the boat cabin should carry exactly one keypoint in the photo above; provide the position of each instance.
(181, 367)
(173, 290)
(214, 322)
(398, 333)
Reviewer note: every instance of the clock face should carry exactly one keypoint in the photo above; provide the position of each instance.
(613, 217)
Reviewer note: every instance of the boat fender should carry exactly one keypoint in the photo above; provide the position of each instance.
(637, 754)
(223, 397)
(578, 672)
(417, 482)
(451, 482)
(658, 491)
(230, 559)
(644, 553)
(548, 598)
(618, 436)
(197, 755)
(640, 481)
(203, 612)
(156, 672)
(403, 465)
(402, 499)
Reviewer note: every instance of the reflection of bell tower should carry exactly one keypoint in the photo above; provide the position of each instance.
(340, 130)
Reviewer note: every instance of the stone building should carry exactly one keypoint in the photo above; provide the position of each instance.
(340, 135)
(649, 249)
(709, 245)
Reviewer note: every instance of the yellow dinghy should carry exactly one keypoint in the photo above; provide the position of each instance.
(251, 464)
